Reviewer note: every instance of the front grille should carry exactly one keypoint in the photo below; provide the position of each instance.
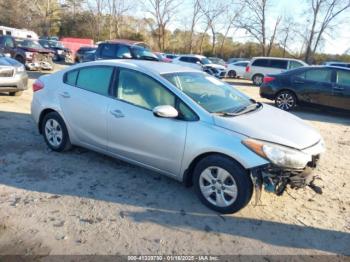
(6, 72)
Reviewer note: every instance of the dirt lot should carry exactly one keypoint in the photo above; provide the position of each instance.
(82, 202)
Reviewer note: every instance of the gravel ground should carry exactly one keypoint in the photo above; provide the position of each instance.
(82, 202)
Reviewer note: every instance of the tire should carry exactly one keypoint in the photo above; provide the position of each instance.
(230, 182)
(18, 93)
(20, 59)
(55, 58)
(232, 74)
(258, 79)
(285, 100)
(58, 141)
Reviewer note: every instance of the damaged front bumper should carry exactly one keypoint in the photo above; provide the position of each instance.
(275, 179)
(42, 65)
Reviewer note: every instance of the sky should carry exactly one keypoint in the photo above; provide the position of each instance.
(337, 44)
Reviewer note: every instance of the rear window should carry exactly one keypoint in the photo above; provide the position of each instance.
(295, 64)
(281, 64)
(261, 62)
(71, 78)
(95, 79)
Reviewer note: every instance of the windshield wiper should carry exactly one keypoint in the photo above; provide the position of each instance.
(241, 111)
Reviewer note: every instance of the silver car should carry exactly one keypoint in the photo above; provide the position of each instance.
(180, 122)
(13, 76)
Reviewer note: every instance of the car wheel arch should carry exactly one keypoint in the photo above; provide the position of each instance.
(188, 173)
(43, 114)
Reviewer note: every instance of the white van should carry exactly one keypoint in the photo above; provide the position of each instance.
(261, 66)
(21, 33)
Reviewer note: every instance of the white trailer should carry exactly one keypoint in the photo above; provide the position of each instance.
(15, 32)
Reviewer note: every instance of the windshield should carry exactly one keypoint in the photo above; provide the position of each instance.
(212, 94)
(205, 61)
(28, 43)
(56, 44)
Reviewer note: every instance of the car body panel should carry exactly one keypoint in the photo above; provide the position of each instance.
(13, 77)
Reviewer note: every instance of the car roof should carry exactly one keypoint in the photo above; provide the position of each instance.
(197, 56)
(125, 42)
(154, 67)
(275, 58)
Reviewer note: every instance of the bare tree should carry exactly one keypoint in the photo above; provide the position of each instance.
(97, 8)
(255, 24)
(117, 9)
(287, 33)
(196, 16)
(161, 11)
(324, 12)
(231, 17)
(212, 10)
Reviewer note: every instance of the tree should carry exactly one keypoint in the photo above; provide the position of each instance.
(212, 10)
(48, 15)
(196, 16)
(161, 11)
(117, 10)
(255, 24)
(324, 13)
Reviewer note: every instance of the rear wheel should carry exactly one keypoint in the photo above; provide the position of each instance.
(222, 184)
(232, 74)
(55, 132)
(285, 100)
(258, 79)
(19, 93)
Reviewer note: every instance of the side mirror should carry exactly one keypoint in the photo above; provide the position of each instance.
(165, 111)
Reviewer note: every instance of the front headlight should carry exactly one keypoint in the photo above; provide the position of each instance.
(29, 55)
(21, 69)
(279, 155)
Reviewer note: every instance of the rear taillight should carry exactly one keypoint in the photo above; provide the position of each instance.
(38, 85)
(247, 69)
(268, 79)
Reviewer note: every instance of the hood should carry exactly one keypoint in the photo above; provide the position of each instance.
(6, 61)
(37, 50)
(273, 125)
(217, 66)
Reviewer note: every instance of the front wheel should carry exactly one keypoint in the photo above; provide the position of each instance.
(285, 100)
(18, 93)
(55, 132)
(232, 74)
(222, 184)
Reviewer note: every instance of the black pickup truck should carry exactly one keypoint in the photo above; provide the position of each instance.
(27, 51)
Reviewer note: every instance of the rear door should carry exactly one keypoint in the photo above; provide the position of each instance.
(84, 99)
(277, 66)
(341, 90)
(314, 85)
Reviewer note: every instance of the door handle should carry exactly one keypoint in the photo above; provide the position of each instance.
(65, 95)
(117, 113)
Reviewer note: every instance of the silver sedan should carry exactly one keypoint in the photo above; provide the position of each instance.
(180, 122)
(13, 76)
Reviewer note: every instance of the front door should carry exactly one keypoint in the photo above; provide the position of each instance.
(341, 90)
(135, 133)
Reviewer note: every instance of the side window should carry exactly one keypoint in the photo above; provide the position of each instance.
(141, 90)
(343, 78)
(261, 62)
(9, 42)
(184, 59)
(319, 75)
(280, 64)
(294, 64)
(108, 51)
(194, 60)
(123, 52)
(95, 79)
(186, 113)
(70, 78)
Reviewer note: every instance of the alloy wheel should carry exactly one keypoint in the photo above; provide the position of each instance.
(53, 132)
(218, 186)
(285, 101)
